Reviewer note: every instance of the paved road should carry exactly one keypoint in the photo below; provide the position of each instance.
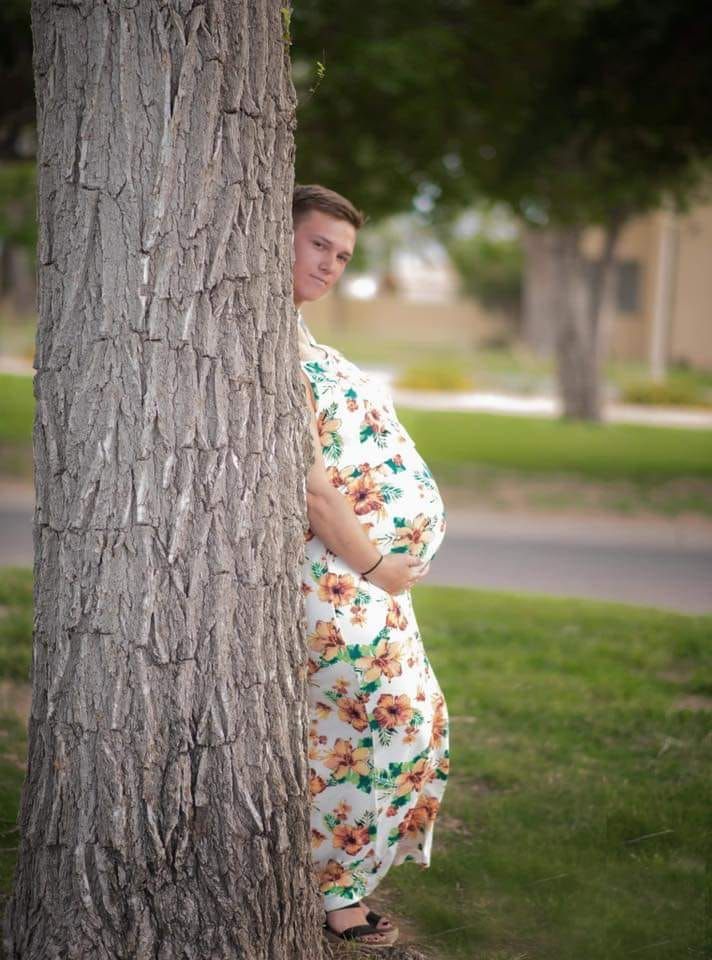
(664, 564)
(657, 562)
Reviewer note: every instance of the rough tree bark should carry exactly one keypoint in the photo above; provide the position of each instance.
(165, 811)
(565, 310)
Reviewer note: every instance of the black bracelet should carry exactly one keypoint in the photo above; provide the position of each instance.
(374, 566)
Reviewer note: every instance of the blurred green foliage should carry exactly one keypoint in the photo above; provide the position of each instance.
(566, 110)
(18, 224)
(669, 392)
(490, 270)
(439, 373)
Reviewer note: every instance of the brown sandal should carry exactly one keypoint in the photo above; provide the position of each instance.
(373, 918)
(360, 931)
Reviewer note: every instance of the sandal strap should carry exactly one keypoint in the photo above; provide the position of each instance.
(355, 933)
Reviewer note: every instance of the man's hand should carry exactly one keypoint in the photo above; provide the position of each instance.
(398, 572)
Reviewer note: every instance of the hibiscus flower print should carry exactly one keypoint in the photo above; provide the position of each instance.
(317, 838)
(316, 784)
(328, 427)
(353, 712)
(339, 476)
(373, 427)
(395, 617)
(358, 615)
(439, 724)
(415, 778)
(338, 589)
(350, 838)
(334, 875)
(391, 712)
(413, 537)
(342, 810)
(365, 495)
(345, 758)
(385, 662)
(326, 640)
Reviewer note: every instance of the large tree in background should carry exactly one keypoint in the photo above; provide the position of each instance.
(18, 236)
(165, 810)
(572, 112)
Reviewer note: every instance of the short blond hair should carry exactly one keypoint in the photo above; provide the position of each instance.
(313, 196)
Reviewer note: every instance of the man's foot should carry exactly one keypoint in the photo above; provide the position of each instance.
(346, 918)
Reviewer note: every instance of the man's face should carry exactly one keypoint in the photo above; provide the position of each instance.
(323, 245)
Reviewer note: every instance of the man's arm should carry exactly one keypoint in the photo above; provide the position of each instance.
(330, 514)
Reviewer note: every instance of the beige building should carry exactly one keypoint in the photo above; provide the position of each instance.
(394, 317)
(659, 308)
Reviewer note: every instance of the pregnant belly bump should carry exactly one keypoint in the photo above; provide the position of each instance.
(413, 536)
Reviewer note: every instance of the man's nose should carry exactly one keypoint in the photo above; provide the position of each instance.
(327, 263)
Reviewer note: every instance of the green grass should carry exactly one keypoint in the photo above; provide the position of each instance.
(452, 443)
(577, 819)
(17, 404)
(15, 622)
(567, 749)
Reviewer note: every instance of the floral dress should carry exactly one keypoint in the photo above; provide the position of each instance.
(378, 738)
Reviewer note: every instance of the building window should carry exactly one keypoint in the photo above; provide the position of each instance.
(627, 286)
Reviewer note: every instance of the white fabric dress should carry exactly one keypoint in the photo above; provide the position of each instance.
(379, 737)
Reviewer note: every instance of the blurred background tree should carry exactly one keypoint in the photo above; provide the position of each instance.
(18, 234)
(571, 112)
(489, 263)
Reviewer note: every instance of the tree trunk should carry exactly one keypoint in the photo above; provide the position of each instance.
(539, 290)
(165, 811)
(577, 298)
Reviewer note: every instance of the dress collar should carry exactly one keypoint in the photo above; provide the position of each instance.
(305, 329)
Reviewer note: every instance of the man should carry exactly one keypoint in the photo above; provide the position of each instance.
(360, 562)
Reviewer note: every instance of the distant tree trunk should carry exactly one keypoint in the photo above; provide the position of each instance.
(566, 294)
(577, 318)
(165, 811)
(538, 290)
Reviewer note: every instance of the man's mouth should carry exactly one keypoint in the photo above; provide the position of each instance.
(318, 279)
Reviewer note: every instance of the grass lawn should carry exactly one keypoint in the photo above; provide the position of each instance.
(473, 451)
(17, 405)
(577, 819)
(454, 442)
